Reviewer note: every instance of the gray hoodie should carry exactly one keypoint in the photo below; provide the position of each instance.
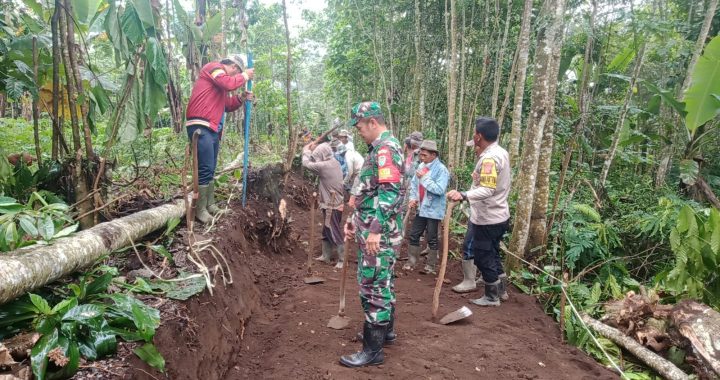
(323, 162)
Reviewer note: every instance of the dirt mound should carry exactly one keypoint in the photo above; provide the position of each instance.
(270, 325)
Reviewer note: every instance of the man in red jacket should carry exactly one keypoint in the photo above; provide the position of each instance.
(206, 112)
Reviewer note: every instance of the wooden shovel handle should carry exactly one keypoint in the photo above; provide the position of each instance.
(341, 312)
(311, 239)
(443, 262)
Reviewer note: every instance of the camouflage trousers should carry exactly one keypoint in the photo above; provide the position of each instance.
(376, 278)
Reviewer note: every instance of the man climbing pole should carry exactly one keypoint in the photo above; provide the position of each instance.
(489, 214)
(376, 225)
(208, 103)
(319, 159)
(427, 194)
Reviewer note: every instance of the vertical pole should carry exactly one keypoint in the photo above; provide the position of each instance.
(248, 106)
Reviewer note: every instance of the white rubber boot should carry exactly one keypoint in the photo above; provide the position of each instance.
(468, 283)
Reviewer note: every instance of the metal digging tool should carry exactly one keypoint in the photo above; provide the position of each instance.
(310, 279)
(340, 321)
(464, 311)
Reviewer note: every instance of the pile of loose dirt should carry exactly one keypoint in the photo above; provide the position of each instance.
(269, 324)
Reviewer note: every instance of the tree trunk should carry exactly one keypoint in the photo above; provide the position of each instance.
(538, 218)
(623, 115)
(32, 267)
(653, 360)
(541, 111)
(69, 83)
(452, 88)
(524, 49)
(35, 112)
(584, 101)
(500, 62)
(701, 326)
(415, 118)
(291, 130)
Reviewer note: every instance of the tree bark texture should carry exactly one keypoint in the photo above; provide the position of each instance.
(701, 326)
(35, 112)
(31, 267)
(452, 88)
(538, 217)
(542, 102)
(291, 131)
(653, 360)
(584, 101)
(523, 53)
(500, 63)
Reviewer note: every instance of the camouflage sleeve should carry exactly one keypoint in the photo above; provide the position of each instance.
(389, 176)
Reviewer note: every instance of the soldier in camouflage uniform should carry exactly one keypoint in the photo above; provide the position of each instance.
(376, 225)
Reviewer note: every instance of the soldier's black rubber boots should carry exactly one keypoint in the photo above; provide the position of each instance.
(372, 350)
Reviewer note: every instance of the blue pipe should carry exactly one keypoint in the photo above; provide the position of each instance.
(248, 107)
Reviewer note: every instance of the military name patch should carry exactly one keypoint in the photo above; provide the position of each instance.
(488, 173)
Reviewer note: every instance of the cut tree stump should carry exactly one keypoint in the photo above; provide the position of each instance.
(653, 360)
(701, 326)
(31, 267)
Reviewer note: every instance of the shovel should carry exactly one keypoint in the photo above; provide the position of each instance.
(340, 321)
(464, 311)
(310, 279)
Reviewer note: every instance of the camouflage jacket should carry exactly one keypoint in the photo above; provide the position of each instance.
(380, 198)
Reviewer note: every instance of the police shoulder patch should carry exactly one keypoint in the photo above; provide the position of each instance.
(488, 173)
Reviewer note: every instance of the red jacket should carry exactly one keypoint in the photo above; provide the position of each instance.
(209, 98)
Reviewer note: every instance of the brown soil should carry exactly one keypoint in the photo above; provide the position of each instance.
(268, 324)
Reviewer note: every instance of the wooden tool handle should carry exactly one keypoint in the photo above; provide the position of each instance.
(341, 312)
(325, 134)
(311, 239)
(443, 262)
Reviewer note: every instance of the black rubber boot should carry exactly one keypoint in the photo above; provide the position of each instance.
(390, 335)
(372, 350)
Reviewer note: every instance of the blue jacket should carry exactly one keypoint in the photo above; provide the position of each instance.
(435, 183)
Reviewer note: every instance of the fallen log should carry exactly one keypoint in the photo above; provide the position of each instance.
(653, 360)
(700, 324)
(31, 267)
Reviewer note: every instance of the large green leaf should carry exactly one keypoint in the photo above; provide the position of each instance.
(83, 313)
(97, 339)
(700, 103)
(28, 225)
(40, 304)
(70, 350)
(46, 227)
(35, 6)
(150, 355)
(212, 27)
(85, 10)
(667, 96)
(131, 25)
(621, 61)
(157, 61)
(114, 31)
(130, 122)
(689, 171)
(38, 354)
(144, 12)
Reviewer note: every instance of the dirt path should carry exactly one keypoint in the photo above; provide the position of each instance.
(270, 325)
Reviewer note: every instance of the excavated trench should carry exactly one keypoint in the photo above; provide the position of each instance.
(268, 324)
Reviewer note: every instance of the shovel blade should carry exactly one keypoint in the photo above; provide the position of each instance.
(338, 323)
(312, 280)
(456, 315)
